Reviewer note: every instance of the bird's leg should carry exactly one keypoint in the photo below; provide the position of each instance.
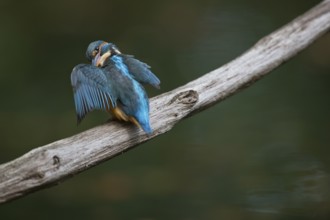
(121, 116)
(134, 121)
(118, 113)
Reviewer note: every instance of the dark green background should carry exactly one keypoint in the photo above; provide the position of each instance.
(261, 154)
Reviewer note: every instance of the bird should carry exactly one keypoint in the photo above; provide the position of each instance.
(113, 82)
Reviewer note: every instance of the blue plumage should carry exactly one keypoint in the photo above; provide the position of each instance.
(131, 95)
(91, 89)
(140, 71)
(113, 83)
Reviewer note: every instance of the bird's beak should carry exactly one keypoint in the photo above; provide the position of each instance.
(96, 59)
(99, 59)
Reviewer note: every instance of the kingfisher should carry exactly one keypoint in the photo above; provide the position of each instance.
(112, 81)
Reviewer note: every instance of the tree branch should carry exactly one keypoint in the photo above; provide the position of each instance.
(54, 162)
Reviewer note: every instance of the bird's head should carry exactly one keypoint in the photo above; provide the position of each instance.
(93, 49)
(106, 50)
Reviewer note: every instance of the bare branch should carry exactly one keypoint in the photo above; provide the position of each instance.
(54, 162)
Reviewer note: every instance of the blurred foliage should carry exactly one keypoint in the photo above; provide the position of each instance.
(262, 154)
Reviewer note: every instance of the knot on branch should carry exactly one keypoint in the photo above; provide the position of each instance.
(56, 161)
(189, 97)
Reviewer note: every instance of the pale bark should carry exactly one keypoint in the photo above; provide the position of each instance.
(54, 162)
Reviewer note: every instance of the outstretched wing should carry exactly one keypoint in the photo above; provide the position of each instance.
(91, 90)
(140, 71)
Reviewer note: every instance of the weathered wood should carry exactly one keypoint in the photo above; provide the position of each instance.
(54, 162)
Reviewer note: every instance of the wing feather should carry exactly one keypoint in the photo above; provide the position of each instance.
(140, 71)
(91, 90)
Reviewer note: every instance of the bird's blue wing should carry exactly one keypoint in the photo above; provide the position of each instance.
(91, 90)
(140, 71)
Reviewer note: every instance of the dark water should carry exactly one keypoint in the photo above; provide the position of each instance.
(262, 154)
